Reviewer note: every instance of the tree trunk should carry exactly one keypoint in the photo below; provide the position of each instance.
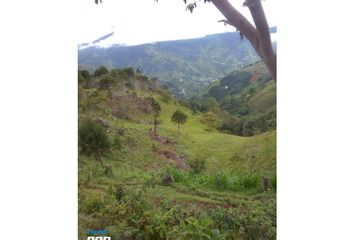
(266, 183)
(259, 37)
(99, 158)
(260, 20)
(155, 127)
(178, 128)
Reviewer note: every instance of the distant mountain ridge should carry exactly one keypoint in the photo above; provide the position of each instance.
(185, 66)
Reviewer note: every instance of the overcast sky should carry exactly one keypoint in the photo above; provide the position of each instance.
(142, 21)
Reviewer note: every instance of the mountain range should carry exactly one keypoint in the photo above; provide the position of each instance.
(185, 66)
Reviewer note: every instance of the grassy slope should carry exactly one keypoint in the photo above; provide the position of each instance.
(137, 162)
(219, 147)
(224, 152)
(264, 99)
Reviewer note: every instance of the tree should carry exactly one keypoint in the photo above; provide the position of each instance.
(156, 107)
(212, 105)
(130, 72)
(86, 75)
(179, 118)
(93, 140)
(101, 71)
(106, 82)
(84, 78)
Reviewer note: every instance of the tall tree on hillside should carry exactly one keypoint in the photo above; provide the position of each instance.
(179, 118)
(156, 107)
(93, 140)
(258, 35)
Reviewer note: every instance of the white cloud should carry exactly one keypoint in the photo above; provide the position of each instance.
(141, 21)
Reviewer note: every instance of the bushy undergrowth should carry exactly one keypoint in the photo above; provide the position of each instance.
(251, 221)
(197, 164)
(132, 216)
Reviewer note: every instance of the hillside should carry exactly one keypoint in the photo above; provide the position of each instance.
(236, 82)
(185, 66)
(150, 183)
(242, 103)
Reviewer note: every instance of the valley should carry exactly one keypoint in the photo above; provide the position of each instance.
(203, 182)
(185, 66)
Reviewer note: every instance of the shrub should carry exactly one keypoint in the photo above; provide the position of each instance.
(93, 140)
(119, 192)
(158, 222)
(197, 164)
(85, 74)
(136, 203)
(101, 71)
(167, 178)
(196, 229)
(92, 203)
(178, 176)
(106, 82)
(211, 119)
(249, 221)
(221, 181)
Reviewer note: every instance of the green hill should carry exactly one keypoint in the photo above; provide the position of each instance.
(147, 189)
(242, 103)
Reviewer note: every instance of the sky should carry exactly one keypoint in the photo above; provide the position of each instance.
(144, 21)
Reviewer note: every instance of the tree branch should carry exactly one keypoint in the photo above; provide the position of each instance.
(258, 36)
(236, 19)
(260, 20)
